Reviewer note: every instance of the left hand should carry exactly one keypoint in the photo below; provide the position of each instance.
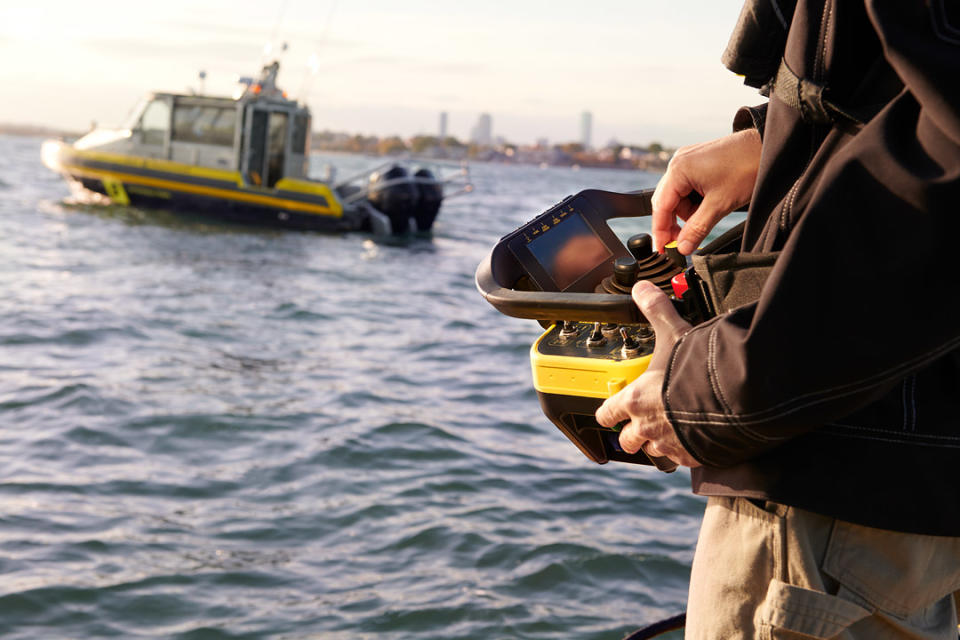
(640, 401)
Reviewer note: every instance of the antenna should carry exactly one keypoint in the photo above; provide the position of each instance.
(268, 48)
(313, 62)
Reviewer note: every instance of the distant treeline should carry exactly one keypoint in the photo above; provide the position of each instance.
(650, 157)
(36, 131)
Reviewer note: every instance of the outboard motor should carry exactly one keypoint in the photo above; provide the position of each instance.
(431, 195)
(393, 193)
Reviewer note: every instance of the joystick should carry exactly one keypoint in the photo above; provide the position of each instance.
(640, 246)
(625, 272)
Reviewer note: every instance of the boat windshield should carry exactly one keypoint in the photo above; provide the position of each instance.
(133, 116)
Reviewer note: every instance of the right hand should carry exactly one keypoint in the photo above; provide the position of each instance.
(723, 171)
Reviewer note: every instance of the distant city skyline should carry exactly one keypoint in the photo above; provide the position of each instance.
(586, 129)
(647, 71)
(442, 132)
(482, 131)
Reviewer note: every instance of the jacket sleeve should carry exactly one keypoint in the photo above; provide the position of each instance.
(751, 118)
(864, 292)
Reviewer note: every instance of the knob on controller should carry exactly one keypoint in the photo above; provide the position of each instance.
(625, 271)
(645, 333)
(640, 246)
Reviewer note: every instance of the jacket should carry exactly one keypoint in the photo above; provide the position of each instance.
(838, 390)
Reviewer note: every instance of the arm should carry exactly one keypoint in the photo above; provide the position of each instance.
(863, 294)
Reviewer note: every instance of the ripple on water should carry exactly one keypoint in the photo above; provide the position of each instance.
(216, 431)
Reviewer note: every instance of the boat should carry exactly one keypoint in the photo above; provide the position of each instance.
(246, 158)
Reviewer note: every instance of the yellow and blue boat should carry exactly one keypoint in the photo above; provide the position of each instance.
(245, 159)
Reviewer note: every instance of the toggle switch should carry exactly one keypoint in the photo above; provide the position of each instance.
(569, 330)
(596, 338)
(645, 333)
(630, 346)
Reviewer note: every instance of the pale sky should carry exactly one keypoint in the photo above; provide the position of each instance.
(647, 70)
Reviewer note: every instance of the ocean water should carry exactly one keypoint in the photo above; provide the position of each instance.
(214, 431)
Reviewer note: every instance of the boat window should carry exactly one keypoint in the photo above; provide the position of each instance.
(301, 131)
(155, 122)
(133, 116)
(204, 125)
(277, 138)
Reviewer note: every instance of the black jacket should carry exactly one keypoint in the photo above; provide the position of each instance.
(839, 390)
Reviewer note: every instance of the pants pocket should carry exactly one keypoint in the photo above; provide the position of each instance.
(895, 572)
(790, 612)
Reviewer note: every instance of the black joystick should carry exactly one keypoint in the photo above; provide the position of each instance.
(625, 271)
(640, 246)
(674, 255)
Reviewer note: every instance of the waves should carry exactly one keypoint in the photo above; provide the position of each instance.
(220, 432)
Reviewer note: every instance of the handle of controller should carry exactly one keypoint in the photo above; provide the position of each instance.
(663, 463)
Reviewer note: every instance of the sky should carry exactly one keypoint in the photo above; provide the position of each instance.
(648, 71)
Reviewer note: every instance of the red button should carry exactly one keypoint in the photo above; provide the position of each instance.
(679, 283)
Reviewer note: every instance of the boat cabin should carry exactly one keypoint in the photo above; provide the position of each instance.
(261, 133)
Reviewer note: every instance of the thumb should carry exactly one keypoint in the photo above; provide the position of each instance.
(657, 308)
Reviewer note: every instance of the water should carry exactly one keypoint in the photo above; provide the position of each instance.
(225, 432)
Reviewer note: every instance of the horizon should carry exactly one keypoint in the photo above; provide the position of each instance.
(534, 67)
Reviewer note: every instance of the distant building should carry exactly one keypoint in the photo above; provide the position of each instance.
(542, 143)
(586, 129)
(443, 126)
(482, 132)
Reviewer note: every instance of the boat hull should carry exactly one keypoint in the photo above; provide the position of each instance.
(151, 183)
(233, 211)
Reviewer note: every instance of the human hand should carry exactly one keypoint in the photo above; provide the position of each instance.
(723, 171)
(640, 401)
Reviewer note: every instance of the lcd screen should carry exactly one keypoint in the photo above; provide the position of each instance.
(569, 250)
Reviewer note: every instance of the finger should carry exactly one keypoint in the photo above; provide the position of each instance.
(700, 223)
(657, 309)
(651, 449)
(664, 228)
(630, 439)
(612, 412)
(669, 203)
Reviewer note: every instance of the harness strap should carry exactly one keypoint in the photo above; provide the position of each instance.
(813, 102)
(808, 98)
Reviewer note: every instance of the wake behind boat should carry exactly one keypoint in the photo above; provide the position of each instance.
(246, 159)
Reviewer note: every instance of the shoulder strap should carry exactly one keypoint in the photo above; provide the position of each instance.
(813, 101)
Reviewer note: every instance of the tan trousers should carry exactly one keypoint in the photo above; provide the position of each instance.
(777, 572)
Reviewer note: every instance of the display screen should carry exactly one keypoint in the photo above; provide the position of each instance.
(569, 250)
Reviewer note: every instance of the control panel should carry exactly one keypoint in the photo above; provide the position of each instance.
(569, 270)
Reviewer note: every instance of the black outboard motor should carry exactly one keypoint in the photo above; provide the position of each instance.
(393, 193)
(431, 195)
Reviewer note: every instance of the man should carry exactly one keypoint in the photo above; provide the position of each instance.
(822, 419)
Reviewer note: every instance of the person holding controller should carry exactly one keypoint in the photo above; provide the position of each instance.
(823, 419)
